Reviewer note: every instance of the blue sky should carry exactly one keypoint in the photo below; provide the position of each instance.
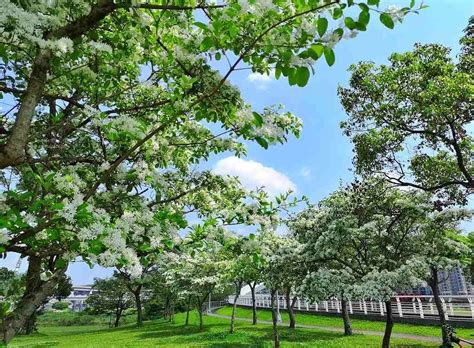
(317, 162)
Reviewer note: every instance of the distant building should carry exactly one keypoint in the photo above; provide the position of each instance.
(452, 283)
(78, 297)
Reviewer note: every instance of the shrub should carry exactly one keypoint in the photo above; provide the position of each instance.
(60, 306)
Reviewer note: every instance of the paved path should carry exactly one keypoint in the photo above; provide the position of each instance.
(337, 329)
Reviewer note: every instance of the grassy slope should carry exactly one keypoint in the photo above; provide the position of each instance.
(215, 334)
(321, 320)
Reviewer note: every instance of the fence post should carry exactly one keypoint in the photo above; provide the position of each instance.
(299, 304)
(337, 305)
(365, 306)
(381, 308)
(422, 315)
(471, 304)
(326, 306)
(413, 305)
(399, 307)
(307, 305)
(350, 307)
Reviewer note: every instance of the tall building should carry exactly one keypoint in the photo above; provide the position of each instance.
(451, 283)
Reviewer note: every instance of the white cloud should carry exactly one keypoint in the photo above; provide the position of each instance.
(305, 172)
(254, 174)
(260, 80)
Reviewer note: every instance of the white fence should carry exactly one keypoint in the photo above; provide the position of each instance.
(422, 307)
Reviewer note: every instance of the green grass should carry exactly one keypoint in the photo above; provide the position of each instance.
(357, 324)
(215, 334)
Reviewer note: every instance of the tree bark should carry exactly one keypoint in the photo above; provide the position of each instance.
(118, 315)
(36, 293)
(238, 286)
(254, 303)
(138, 304)
(201, 324)
(346, 318)
(434, 282)
(187, 311)
(30, 325)
(388, 325)
(289, 305)
(276, 338)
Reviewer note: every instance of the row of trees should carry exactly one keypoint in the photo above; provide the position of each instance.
(365, 241)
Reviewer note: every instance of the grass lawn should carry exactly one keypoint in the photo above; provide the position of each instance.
(321, 320)
(215, 334)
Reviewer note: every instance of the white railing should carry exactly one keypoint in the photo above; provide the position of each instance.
(406, 306)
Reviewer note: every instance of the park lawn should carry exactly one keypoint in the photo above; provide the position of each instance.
(215, 334)
(357, 324)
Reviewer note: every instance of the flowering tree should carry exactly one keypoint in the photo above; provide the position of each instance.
(367, 234)
(283, 269)
(112, 101)
(444, 248)
(421, 101)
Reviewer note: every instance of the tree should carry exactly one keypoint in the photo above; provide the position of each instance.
(253, 266)
(444, 248)
(409, 120)
(369, 232)
(112, 103)
(282, 272)
(111, 296)
(64, 288)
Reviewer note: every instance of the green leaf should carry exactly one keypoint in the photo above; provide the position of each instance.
(329, 55)
(258, 119)
(373, 2)
(318, 51)
(349, 22)
(360, 26)
(262, 142)
(412, 3)
(61, 263)
(322, 26)
(302, 76)
(387, 20)
(337, 13)
(201, 25)
(218, 56)
(364, 17)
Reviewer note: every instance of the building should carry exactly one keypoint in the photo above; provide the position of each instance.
(78, 297)
(452, 283)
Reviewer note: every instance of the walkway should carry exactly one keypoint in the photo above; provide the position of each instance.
(341, 330)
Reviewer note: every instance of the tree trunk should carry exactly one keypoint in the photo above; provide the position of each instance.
(36, 293)
(118, 315)
(187, 311)
(201, 324)
(138, 304)
(346, 318)
(30, 325)
(254, 304)
(289, 306)
(434, 282)
(238, 286)
(166, 309)
(388, 325)
(276, 338)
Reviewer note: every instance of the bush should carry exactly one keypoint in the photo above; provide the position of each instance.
(60, 306)
(70, 318)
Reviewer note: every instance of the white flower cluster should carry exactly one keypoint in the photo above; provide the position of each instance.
(4, 236)
(396, 13)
